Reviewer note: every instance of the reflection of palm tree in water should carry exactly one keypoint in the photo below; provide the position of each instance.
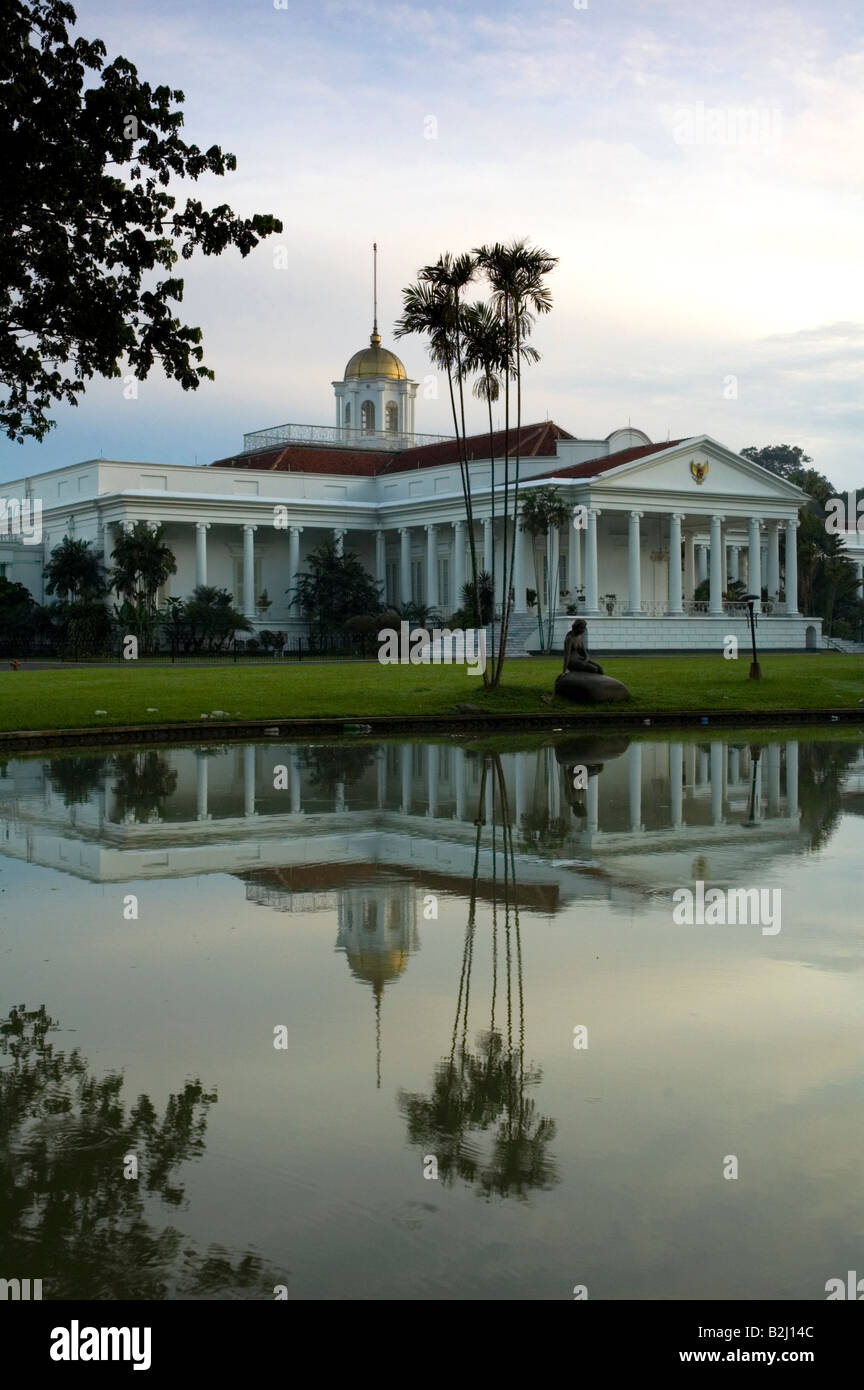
(68, 1215)
(473, 1091)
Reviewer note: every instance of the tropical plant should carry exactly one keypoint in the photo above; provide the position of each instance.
(485, 592)
(333, 589)
(17, 606)
(543, 511)
(515, 272)
(143, 562)
(73, 569)
(206, 622)
(434, 307)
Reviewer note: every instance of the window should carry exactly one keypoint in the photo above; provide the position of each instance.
(367, 417)
(347, 412)
(3, 569)
(416, 581)
(391, 417)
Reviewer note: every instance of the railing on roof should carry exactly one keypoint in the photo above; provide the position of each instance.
(347, 437)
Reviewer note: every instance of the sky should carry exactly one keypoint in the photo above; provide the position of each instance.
(695, 168)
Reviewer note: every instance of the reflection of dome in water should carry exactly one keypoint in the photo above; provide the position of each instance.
(377, 967)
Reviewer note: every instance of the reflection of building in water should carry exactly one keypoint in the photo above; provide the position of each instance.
(302, 820)
(377, 930)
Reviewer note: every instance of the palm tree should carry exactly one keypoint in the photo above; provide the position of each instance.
(434, 308)
(142, 564)
(73, 569)
(489, 353)
(515, 272)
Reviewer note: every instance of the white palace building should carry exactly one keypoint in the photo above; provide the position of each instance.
(652, 520)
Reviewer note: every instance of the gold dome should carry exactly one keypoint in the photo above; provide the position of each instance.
(375, 361)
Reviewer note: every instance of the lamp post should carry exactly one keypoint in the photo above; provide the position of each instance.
(755, 668)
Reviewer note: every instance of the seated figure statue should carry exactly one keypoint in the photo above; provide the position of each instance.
(576, 656)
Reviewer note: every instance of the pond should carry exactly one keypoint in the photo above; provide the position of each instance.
(454, 1020)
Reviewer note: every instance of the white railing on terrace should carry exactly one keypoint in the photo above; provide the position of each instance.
(336, 435)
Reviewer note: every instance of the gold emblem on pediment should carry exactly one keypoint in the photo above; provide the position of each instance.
(699, 471)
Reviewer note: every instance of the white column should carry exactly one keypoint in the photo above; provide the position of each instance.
(249, 780)
(716, 602)
(380, 558)
(772, 759)
(592, 595)
(339, 797)
(592, 805)
(634, 758)
(249, 571)
(201, 770)
(201, 529)
(487, 544)
(458, 561)
(689, 565)
(407, 754)
(676, 606)
(296, 788)
(294, 553)
(339, 542)
(634, 587)
(404, 565)
(553, 567)
(676, 783)
(381, 797)
(459, 755)
(792, 566)
(554, 775)
(792, 780)
(520, 759)
(755, 553)
(773, 584)
(702, 773)
(519, 604)
(701, 562)
(717, 761)
(432, 567)
(432, 780)
(574, 556)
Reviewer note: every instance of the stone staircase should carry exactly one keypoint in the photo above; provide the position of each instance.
(523, 628)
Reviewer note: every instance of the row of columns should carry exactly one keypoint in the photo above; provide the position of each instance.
(720, 767)
(708, 561)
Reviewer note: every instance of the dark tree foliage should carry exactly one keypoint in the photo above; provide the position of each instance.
(68, 1213)
(87, 223)
(335, 589)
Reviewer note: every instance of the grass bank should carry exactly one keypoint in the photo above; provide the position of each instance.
(108, 697)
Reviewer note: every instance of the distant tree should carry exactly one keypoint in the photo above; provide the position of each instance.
(88, 152)
(17, 606)
(827, 581)
(335, 588)
(206, 622)
(142, 564)
(73, 569)
(486, 593)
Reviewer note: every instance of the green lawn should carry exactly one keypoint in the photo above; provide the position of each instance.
(58, 699)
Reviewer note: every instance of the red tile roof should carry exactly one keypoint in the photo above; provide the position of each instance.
(590, 468)
(536, 441)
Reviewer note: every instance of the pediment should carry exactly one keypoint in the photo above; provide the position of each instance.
(701, 467)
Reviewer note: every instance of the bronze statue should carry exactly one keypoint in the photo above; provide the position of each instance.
(576, 656)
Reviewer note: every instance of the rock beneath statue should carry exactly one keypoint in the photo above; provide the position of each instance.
(587, 689)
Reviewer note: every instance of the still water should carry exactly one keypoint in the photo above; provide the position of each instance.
(416, 1020)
